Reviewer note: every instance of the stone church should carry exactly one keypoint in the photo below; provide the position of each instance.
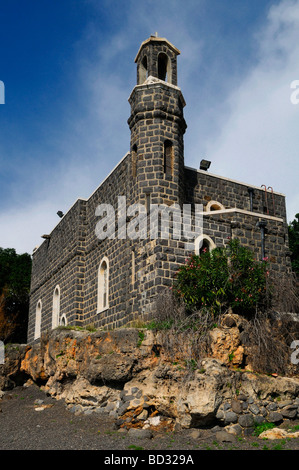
(82, 277)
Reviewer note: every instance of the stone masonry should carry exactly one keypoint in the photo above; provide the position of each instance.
(113, 281)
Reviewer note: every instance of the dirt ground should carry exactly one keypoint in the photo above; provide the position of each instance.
(27, 424)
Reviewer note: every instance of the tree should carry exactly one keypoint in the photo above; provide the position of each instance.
(294, 243)
(15, 275)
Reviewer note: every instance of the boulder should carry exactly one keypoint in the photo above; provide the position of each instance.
(277, 433)
(225, 346)
(140, 433)
(223, 436)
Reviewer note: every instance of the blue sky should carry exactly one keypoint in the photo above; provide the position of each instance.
(68, 69)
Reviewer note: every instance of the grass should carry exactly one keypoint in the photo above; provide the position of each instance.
(133, 447)
(141, 335)
(191, 363)
(279, 446)
(91, 328)
(259, 428)
(160, 325)
(294, 428)
(60, 354)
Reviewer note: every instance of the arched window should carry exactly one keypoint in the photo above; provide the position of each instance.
(203, 243)
(214, 206)
(168, 158)
(63, 320)
(103, 285)
(163, 67)
(56, 307)
(38, 319)
(143, 73)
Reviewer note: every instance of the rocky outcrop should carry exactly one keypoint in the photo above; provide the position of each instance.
(127, 374)
(278, 433)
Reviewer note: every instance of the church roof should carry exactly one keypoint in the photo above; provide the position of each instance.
(157, 39)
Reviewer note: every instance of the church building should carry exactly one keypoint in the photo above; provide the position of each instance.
(110, 256)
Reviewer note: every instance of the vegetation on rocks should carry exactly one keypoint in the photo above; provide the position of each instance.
(223, 288)
(224, 277)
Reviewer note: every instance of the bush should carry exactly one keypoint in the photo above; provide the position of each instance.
(225, 277)
(183, 337)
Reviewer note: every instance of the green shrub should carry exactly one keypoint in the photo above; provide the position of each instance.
(141, 335)
(261, 427)
(223, 277)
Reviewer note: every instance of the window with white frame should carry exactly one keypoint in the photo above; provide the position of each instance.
(204, 243)
(214, 206)
(56, 307)
(103, 285)
(63, 320)
(38, 319)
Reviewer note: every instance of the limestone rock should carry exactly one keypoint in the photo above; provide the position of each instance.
(113, 372)
(225, 345)
(277, 433)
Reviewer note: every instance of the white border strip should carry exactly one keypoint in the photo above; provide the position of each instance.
(206, 173)
(242, 211)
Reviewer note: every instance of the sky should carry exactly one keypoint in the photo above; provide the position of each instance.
(68, 69)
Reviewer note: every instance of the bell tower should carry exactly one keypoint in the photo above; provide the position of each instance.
(157, 125)
(157, 58)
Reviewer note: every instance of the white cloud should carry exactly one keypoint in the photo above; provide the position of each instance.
(92, 135)
(22, 227)
(251, 135)
(258, 142)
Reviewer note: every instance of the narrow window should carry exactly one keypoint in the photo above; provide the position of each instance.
(133, 267)
(162, 67)
(148, 202)
(168, 158)
(63, 320)
(103, 285)
(56, 307)
(38, 318)
(134, 161)
(143, 72)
